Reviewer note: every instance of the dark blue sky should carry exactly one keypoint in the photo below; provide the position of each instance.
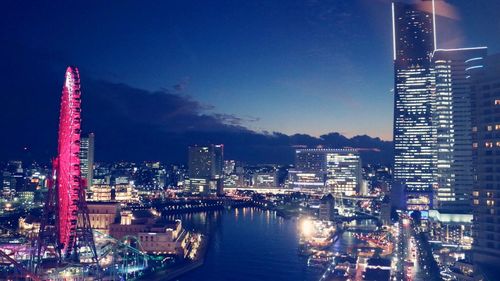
(310, 67)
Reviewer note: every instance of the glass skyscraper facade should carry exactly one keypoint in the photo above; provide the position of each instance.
(414, 134)
(454, 70)
(87, 158)
(206, 164)
(328, 170)
(343, 173)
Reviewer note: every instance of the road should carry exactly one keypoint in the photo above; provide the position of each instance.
(412, 262)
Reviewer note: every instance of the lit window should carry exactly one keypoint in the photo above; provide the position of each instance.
(497, 102)
(488, 144)
(490, 203)
(474, 129)
(474, 145)
(476, 202)
(489, 128)
(475, 193)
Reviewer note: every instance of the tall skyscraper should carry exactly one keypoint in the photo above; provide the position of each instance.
(87, 158)
(486, 144)
(454, 70)
(206, 164)
(414, 141)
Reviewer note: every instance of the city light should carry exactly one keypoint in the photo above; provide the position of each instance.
(230, 141)
(306, 227)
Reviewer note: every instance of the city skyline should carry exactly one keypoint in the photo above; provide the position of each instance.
(191, 96)
(247, 141)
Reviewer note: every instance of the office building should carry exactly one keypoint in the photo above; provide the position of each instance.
(414, 138)
(206, 164)
(306, 181)
(454, 69)
(310, 160)
(263, 180)
(343, 172)
(330, 170)
(87, 158)
(486, 160)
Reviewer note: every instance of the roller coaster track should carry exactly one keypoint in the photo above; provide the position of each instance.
(24, 271)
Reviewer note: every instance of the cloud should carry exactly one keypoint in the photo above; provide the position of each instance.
(182, 86)
(132, 123)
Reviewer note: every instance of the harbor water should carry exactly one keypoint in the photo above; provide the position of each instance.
(252, 244)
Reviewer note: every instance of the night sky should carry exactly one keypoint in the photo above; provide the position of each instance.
(160, 75)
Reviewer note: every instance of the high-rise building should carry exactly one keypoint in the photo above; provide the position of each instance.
(327, 170)
(454, 70)
(310, 160)
(206, 164)
(414, 142)
(486, 160)
(343, 172)
(12, 179)
(87, 158)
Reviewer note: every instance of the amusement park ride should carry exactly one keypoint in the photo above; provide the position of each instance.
(64, 248)
(65, 233)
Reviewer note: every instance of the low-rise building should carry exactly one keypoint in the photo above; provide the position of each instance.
(102, 215)
(154, 236)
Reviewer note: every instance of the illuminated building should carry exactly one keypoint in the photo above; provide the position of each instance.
(8, 186)
(451, 229)
(343, 172)
(99, 192)
(125, 193)
(155, 236)
(118, 192)
(102, 215)
(206, 164)
(87, 158)
(312, 181)
(27, 197)
(265, 180)
(331, 170)
(310, 160)
(29, 226)
(414, 138)
(454, 69)
(229, 166)
(167, 238)
(12, 179)
(233, 180)
(486, 157)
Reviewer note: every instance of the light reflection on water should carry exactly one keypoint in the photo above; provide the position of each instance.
(252, 244)
(248, 244)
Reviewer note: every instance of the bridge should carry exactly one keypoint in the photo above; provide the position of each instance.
(199, 204)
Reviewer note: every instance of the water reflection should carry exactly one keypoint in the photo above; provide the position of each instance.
(251, 244)
(248, 244)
